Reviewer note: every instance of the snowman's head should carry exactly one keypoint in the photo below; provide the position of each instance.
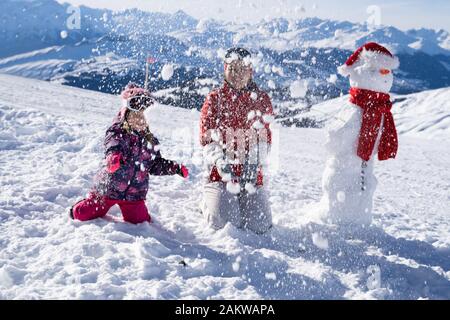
(370, 67)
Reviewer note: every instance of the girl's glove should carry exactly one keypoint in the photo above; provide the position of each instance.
(113, 162)
(182, 171)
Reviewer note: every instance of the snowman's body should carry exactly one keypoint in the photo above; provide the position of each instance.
(348, 181)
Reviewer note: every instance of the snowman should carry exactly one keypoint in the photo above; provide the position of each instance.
(363, 131)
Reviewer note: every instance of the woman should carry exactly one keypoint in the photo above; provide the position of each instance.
(235, 135)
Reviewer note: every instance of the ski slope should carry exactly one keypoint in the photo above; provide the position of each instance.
(51, 147)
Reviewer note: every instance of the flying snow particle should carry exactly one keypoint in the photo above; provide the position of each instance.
(237, 264)
(268, 118)
(233, 187)
(167, 72)
(257, 125)
(337, 33)
(271, 84)
(320, 241)
(332, 78)
(251, 115)
(270, 276)
(202, 26)
(64, 34)
(299, 9)
(298, 89)
(221, 53)
(250, 188)
(341, 196)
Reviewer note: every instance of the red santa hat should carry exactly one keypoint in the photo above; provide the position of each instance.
(370, 54)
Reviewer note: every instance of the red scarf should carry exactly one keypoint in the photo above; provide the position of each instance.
(374, 106)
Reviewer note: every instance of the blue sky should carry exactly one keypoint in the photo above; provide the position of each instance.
(404, 14)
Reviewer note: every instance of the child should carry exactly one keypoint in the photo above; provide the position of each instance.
(132, 155)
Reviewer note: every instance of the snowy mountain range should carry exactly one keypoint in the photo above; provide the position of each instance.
(109, 50)
(51, 147)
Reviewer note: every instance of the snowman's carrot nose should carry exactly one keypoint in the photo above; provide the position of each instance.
(385, 71)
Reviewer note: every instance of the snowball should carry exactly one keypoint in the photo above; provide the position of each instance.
(298, 89)
(64, 34)
(167, 72)
(254, 95)
(320, 241)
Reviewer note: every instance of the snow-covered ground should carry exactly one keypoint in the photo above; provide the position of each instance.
(51, 146)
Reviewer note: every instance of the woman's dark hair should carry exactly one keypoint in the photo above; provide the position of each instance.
(240, 52)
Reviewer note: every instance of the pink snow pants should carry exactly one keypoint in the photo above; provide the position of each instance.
(96, 207)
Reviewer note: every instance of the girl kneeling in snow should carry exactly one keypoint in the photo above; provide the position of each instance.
(132, 155)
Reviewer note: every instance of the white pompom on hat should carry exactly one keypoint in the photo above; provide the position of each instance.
(370, 54)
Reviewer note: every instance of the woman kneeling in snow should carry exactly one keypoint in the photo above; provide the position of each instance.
(236, 137)
(132, 155)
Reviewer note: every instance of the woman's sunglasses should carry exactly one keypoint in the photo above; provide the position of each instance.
(139, 103)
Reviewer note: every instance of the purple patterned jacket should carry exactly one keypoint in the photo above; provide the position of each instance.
(140, 158)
